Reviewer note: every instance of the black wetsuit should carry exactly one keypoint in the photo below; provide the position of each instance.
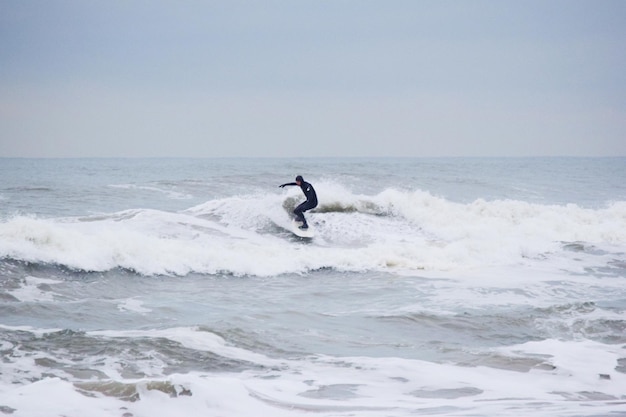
(311, 201)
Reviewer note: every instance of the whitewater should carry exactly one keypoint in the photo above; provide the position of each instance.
(446, 286)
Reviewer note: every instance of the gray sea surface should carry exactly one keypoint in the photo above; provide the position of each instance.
(452, 286)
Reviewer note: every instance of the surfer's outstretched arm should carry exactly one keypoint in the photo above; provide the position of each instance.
(287, 183)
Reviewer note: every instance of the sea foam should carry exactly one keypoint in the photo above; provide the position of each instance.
(247, 235)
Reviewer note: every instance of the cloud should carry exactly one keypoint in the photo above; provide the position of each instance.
(444, 78)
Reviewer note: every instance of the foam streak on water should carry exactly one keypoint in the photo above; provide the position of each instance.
(445, 287)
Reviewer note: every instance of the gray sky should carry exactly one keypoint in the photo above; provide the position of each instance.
(312, 78)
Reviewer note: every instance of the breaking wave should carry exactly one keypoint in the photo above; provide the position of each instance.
(248, 235)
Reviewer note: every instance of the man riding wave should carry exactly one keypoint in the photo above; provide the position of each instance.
(311, 200)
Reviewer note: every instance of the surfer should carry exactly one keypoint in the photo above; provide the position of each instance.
(311, 200)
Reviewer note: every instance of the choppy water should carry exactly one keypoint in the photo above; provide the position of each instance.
(454, 287)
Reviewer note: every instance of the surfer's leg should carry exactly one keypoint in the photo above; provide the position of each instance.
(298, 211)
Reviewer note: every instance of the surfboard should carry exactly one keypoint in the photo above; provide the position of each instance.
(295, 229)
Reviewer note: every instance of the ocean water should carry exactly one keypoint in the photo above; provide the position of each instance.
(433, 287)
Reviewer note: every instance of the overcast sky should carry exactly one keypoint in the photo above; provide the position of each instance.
(123, 78)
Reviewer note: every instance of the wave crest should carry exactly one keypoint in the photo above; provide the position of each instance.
(247, 235)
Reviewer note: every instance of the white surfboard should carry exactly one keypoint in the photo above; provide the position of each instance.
(295, 229)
